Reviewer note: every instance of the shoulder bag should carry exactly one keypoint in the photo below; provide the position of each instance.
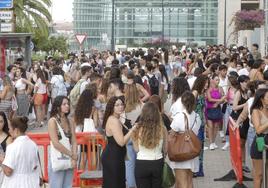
(183, 146)
(60, 161)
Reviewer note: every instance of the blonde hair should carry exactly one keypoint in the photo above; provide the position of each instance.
(151, 127)
(131, 97)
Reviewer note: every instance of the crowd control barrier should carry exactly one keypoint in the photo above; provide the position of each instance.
(235, 151)
(89, 140)
(264, 154)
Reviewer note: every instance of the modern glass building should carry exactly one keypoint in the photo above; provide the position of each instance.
(138, 22)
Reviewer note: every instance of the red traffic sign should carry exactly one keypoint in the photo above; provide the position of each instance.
(80, 38)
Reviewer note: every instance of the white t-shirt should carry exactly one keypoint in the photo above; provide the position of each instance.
(178, 125)
(40, 86)
(83, 86)
(224, 84)
(191, 81)
(243, 71)
(176, 107)
(231, 69)
(21, 156)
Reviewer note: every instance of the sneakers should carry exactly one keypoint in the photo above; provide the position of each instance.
(222, 134)
(246, 169)
(226, 146)
(213, 146)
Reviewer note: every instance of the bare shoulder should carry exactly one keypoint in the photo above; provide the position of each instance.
(52, 122)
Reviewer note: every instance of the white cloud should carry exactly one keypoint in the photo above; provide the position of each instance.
(62, 10)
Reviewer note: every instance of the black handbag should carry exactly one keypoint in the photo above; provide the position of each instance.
(214, 113)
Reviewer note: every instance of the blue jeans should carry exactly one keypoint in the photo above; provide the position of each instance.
(250, 137)
(61, 178)
(130, 165)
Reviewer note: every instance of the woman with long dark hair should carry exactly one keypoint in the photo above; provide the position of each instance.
(163, 91)
(21, 92)
(240, 100)
(40, 97)
(199, 89)
(113, 156)
(184, 170)
(179, 86)
(259, 117)
(60, 126)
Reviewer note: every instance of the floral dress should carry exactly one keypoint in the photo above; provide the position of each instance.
(200, 106)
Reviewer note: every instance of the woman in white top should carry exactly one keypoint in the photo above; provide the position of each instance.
(179, 86)
(40, 97)
(20, 164)
(184, 170)
(151, 146)
(163, 91)
(85, 118)
(21, 92)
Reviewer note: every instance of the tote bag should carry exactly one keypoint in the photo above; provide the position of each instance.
(60, 161)
(183, 146)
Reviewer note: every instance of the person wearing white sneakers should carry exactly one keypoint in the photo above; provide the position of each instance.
(215, 97)
(232, 82)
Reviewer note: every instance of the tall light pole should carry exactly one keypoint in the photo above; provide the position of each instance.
(265, 5)
(163, 23)
(225, 20)
(112, 35)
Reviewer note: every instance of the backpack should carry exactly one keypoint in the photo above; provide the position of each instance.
(154, 85)
(75, 93)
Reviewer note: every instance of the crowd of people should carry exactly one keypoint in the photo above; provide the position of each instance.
(125, 96)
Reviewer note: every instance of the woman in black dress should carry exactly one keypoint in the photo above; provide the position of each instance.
(113, 156)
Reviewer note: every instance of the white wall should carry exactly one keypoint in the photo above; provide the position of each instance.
(232, 6)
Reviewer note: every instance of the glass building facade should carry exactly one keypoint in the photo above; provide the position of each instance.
(138, 22)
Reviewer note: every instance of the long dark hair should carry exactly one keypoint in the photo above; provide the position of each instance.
(257, 103)
(5, 127)
(110, 109)
(56, 106)
(40, 74)
(179, 86)
(84, 107)
(199, 84)
(241, 79)
(163, 72)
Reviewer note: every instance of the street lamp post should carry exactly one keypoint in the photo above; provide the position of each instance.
(225, 42)
(112, 35)
(163, 23)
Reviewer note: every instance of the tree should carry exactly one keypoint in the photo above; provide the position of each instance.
(32, 16)
(51, 44)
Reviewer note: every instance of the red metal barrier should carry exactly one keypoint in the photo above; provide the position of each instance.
(88, 139)
(235, 150)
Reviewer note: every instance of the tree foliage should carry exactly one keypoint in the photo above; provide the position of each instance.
(32, 16)
(51, 44)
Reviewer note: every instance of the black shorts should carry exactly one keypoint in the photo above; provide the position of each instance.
(254, 153)
(244, 129)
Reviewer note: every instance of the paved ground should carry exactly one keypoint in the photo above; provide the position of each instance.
(217, 164)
